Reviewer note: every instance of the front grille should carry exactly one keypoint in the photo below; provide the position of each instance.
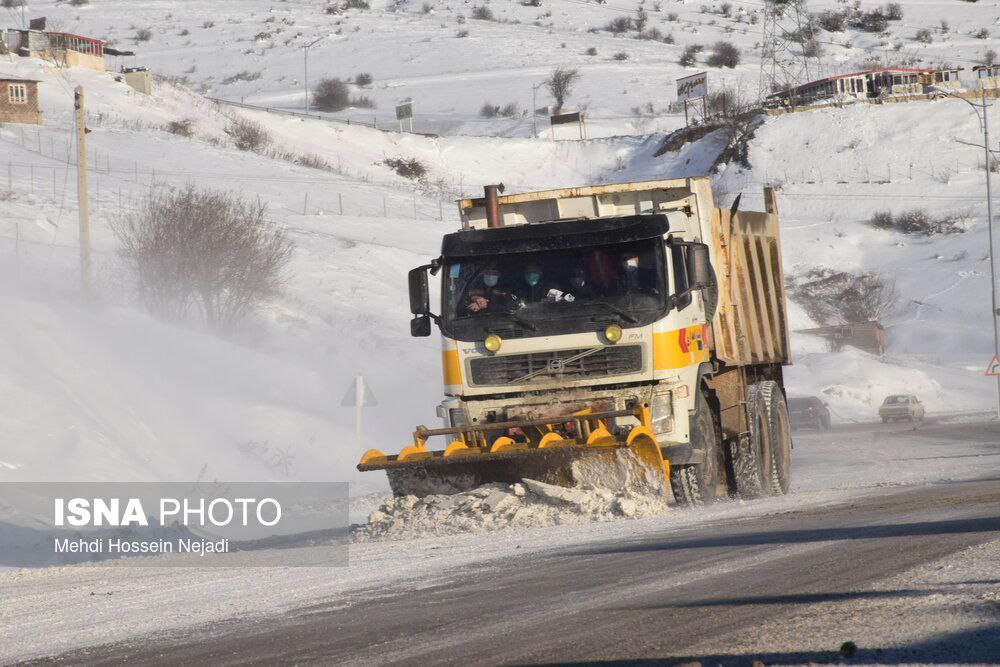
(509, 368)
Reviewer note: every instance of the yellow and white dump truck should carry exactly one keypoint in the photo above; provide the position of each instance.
(582, 322)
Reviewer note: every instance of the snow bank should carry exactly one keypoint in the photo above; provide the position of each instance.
(623, 489)
(496, 506)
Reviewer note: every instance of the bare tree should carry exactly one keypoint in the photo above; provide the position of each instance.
(560, 84)
(202, 253)
(870, 297)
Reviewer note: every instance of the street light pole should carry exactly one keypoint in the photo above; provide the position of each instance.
(989, 220)
(305, 64)
(534, 115)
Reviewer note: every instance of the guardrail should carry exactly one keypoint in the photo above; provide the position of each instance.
(286, 112)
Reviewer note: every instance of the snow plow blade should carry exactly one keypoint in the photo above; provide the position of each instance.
(595, 456)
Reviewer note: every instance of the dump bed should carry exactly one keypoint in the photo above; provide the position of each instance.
(750, 325)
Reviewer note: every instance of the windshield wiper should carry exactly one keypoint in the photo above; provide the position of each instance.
(519, 320)
(616, 310)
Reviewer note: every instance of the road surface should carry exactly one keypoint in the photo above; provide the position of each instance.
(683, 595)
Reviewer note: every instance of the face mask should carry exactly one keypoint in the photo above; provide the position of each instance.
(577, 281)
(632, 264)
(490, 280)
(533, 278)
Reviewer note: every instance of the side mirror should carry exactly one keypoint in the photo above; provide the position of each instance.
(420, 326)
(700, 273)
(420, 300)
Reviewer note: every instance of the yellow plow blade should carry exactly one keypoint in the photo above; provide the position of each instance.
(593, 455)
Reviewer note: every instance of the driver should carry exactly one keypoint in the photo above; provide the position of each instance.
(579, 288)
(487, 297)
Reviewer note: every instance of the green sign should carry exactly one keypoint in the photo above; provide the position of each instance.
(404, 111)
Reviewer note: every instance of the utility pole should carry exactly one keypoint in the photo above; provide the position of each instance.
(305, 54)
(81, 187)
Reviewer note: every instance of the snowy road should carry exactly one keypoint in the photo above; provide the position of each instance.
(908, 573)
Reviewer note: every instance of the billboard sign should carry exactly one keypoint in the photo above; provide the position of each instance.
(692, 87)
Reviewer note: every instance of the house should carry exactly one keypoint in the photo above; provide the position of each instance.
(987, 76)
(19, 101)
(867, 336)
(64, 48)
(881, 83)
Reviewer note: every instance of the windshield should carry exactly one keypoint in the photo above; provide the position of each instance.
(560, 291)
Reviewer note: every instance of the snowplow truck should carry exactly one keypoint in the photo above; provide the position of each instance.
(583, 325)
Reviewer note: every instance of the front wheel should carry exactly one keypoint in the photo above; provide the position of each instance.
(695, 484)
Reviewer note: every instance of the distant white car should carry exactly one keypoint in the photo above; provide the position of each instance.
(901, 406)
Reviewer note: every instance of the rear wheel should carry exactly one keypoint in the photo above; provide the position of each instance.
(751, 452)
(695, 484)
(779, 436)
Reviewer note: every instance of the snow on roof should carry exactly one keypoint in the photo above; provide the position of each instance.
(4, 77)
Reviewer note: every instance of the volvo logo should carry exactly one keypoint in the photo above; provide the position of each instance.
(555, 365)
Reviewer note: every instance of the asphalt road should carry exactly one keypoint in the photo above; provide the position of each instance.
(650, 600)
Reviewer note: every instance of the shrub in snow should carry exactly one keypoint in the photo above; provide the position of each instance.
(652, 35)
(592, 51)
(427, 8)
(356, 4)
(79, 3)
(9, 4)
(983, 33)
(247, 135)
(832, 21)
(560, 84)
(924, 36)
(873, 21)
(363, 79)
(363, 102)
(724, 54)
(894, 11)
(143, 35)
(406, 167)
(619, 25)
(690, 56)
(203, 254)
(989, 57)
(621, 55)
(482, 14)
(182, 128)
(331, 95)
(917, 222)
(208, 24)
(462, 33)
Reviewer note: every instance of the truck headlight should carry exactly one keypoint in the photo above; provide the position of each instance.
(661, 410)
(457, 417)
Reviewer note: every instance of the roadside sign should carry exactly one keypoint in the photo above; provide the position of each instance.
(359, 394)
(564, 118)
(404, 111)
(993, 369)
(692, 87)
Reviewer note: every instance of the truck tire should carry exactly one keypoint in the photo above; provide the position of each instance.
(695, 485)
(779, 436)
(751, 452)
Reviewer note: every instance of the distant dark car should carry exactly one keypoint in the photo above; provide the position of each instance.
(809, 411)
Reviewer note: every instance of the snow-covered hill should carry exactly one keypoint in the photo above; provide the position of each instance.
(98, 389)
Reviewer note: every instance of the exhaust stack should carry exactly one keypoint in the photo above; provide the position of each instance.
(493, 205)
